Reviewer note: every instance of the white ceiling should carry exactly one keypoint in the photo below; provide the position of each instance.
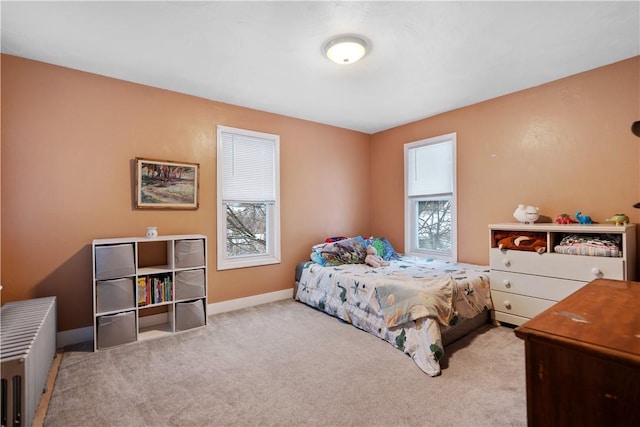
(425, 58)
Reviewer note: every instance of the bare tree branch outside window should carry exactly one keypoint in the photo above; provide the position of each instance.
(246, 229)
(434, 225)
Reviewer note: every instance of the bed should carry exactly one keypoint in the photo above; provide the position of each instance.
(418, 305)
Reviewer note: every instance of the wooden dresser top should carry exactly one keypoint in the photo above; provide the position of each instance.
(603, 317)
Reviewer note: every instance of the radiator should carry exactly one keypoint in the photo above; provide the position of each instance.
(27, 348)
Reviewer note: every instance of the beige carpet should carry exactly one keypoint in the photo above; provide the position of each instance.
(285, 364)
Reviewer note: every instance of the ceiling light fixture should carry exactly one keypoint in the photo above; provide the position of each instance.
(345, 49)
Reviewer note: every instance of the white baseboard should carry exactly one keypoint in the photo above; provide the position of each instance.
(237, 304)
(76, 336)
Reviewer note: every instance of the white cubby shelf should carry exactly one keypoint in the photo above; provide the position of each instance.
(146, 288)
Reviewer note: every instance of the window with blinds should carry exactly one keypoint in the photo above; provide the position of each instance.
(248, 198)
(430, 219)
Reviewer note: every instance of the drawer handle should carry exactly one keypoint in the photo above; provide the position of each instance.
(507, 304)
(506, 283)
(596, 271)
(506, 262)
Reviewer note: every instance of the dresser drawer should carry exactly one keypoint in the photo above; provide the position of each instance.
(519, 305)
(573, 267)
(534, 286)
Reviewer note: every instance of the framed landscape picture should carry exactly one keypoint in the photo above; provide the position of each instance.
(162, 184)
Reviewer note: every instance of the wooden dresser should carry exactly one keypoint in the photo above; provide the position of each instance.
(583, 358)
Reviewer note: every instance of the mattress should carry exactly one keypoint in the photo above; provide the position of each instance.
(417, 305)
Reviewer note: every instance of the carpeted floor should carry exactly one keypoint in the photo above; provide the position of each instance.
(285, 364)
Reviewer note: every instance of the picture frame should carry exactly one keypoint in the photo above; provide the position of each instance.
(165, 184)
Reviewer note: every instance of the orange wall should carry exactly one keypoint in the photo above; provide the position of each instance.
(68, 143)
(563, 146)
(69, 139)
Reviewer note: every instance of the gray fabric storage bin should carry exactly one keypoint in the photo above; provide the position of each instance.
(113, 261)
(189, 315)
(115, 294)
(189, 253)
(189, 284)
(116, 329)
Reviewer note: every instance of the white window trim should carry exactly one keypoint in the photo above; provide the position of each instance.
(273, 255)
(409, 216)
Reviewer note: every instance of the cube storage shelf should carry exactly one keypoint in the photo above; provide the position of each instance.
(524, 283)
(146, 288)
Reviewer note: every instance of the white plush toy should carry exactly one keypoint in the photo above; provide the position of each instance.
(373, 259)
(520, 213)
(526, 214)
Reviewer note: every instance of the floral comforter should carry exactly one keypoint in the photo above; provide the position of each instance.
(407, 303)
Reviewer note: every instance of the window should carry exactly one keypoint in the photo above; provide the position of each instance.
(248, 198)
(430, 197)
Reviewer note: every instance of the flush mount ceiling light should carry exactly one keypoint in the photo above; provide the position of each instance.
(345, 49)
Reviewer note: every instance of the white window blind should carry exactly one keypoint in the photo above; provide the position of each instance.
(429, 169)
(248, 168)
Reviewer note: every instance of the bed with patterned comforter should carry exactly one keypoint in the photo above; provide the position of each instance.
(409, 303)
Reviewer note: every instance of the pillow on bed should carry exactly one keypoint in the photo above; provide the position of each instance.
(384, 248)
(346, 251)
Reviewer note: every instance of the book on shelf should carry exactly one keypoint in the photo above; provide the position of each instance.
(154, 290)
(142, 291)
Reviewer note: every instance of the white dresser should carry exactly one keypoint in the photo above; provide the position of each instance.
(524, 283)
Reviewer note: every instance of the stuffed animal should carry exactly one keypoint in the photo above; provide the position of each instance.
(523, 243)
(519, 213)
(526, 214)
(373, 259)
(531, 213)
